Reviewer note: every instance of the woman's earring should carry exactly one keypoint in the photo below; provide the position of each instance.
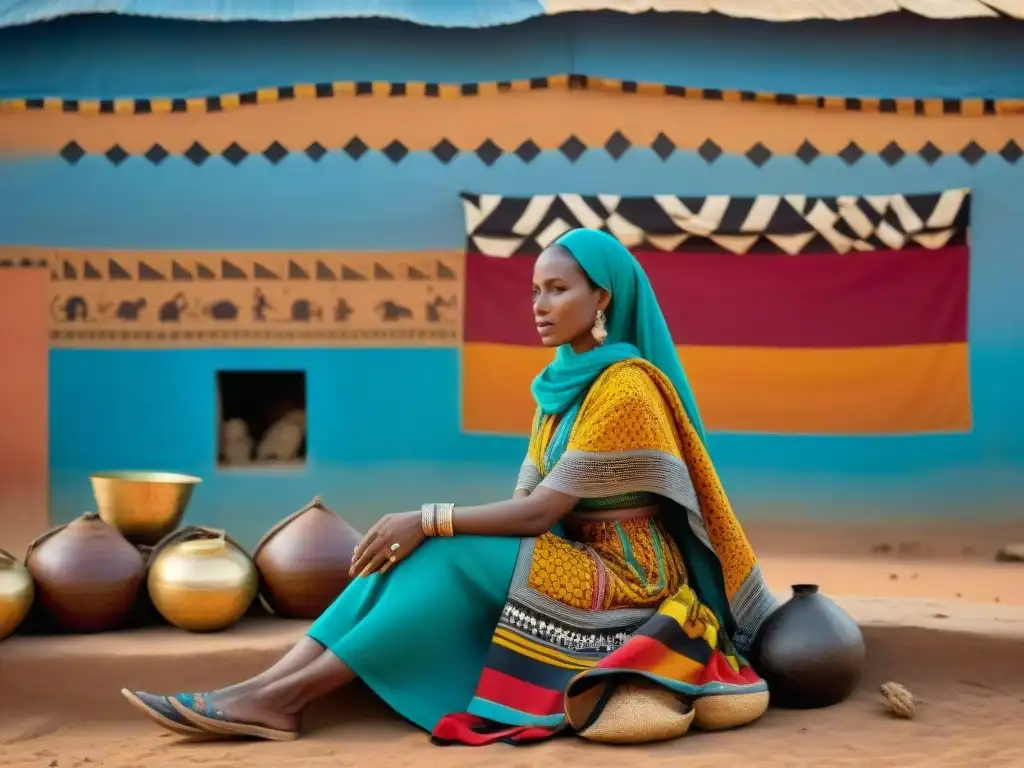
(598, 331)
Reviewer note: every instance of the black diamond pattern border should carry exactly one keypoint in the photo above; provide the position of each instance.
(930, 153)
(528, 151)
(197, 153)
(489, 152)
(156, 154)
(807, 153)
(234, 153)
(1012, 152)
(709, 151)
(892, 153)
(275, 153)
(116, 154)
(572, 149)
(617, 145)
(851, 153)
(72, 152)
(663, 146)
(445, 151)
(759, 154)
(315, 151)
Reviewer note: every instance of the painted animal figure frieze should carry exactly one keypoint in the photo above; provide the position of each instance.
(261, 298)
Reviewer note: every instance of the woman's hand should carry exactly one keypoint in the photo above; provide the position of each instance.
(388, 542)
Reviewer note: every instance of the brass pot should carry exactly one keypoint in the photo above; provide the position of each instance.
(304, 561)
(144, 506)
(200, 580)
(16, 593)
(87, 576)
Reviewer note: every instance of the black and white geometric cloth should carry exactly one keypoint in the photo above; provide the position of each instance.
(502, 226)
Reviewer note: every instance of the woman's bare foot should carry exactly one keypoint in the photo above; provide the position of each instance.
(252, 709)
(301, 655)
(266, 710)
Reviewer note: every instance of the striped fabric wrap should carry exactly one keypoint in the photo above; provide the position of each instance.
(674, 599)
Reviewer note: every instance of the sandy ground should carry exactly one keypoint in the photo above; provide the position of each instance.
(939, 616)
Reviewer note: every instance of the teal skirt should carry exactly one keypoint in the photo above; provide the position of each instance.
(418, 635)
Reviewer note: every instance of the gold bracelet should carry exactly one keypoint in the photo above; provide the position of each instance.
(445, 524)
(428, 519)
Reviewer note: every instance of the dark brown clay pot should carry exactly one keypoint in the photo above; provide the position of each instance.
(809, 651)
(304, 560)
(87, 575)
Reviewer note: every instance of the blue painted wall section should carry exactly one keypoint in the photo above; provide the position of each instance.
(384, 424)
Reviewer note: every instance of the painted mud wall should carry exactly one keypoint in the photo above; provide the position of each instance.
(384, 411)
(24, 404)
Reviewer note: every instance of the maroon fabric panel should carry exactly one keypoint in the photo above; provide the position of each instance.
(878, 298)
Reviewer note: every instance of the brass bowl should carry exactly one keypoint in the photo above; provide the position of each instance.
(143, 506)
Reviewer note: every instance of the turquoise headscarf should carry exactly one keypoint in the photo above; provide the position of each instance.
(636, 328)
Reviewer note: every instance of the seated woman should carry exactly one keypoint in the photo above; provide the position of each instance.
(616, 579)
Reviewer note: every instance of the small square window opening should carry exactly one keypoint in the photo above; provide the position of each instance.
(262, 418)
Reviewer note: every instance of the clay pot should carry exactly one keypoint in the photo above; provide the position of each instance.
(201, 580)
(809, 651)
(304, 561)
(87, 575)
(16, 593)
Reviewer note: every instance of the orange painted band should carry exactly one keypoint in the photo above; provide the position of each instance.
(545, 119)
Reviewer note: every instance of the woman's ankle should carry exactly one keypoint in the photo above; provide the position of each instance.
(238, 689)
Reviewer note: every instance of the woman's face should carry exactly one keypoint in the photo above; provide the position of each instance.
(565, 302)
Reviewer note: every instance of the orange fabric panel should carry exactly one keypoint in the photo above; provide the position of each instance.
(864, 390)
(496, 386)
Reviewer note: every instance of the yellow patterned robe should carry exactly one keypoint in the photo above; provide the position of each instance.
(675, 598)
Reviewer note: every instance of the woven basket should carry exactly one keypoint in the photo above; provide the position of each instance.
(719, 713)
(637, 714)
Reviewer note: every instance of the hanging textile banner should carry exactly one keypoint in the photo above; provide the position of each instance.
(792, 314)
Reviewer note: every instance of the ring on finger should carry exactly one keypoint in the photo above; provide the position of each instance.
(392, 559)
(395, 547)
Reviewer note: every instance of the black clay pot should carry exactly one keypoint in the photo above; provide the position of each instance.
(809, 651)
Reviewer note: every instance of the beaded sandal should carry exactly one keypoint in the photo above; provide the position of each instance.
(159, 710)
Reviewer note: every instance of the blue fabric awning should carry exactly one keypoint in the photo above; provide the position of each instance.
(491, 13)
(437, 13)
